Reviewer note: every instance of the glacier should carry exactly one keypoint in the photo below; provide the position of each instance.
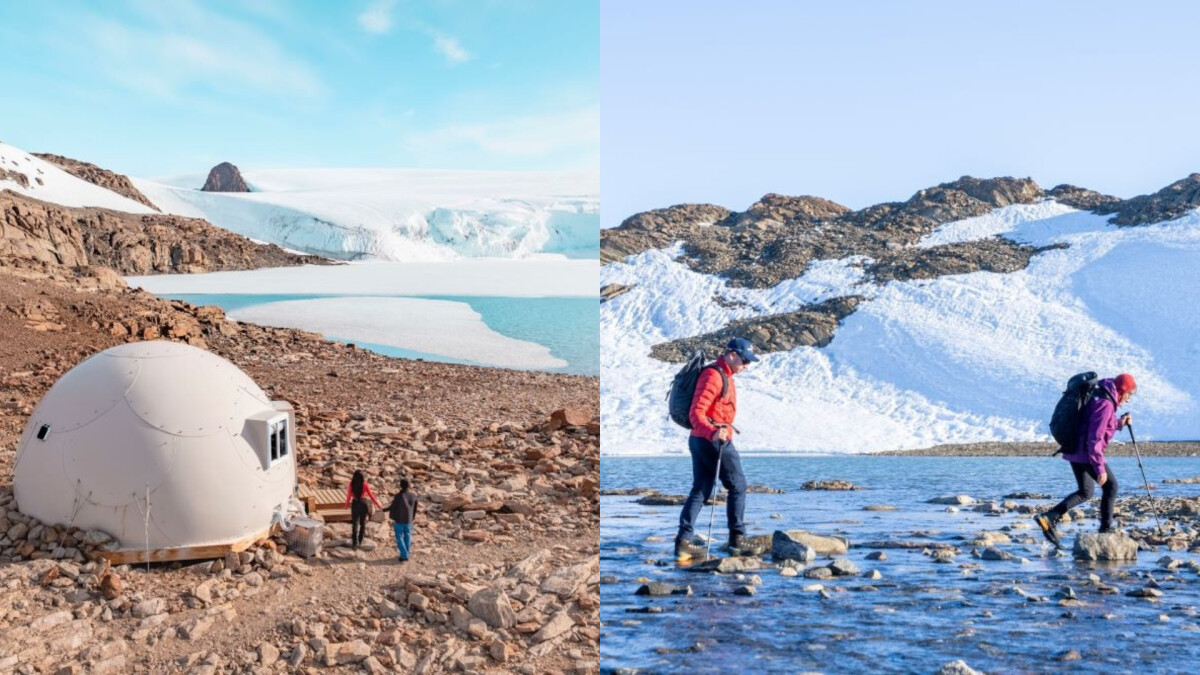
(400, 214)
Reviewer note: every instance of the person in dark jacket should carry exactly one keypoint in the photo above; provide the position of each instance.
(403, 511)
(711, 415)
(1087, 458)
(356, 498)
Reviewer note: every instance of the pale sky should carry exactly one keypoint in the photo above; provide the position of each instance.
(157, 87)
(866, 102)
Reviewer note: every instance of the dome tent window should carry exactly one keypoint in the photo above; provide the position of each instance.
(279, 440)
(43, 432)
(269, 433)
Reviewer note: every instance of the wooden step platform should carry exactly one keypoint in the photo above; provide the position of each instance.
(180, 553)
(329, 503)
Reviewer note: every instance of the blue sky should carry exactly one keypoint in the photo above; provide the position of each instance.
(866, 102)
(156, 87)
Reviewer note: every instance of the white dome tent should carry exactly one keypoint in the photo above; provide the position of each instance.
(170, 449)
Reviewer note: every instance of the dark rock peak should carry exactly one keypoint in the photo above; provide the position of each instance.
(1084, 199)
(785, 209)
(225, 177)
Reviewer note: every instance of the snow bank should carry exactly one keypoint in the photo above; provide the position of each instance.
(965, 358)
(51, 184)
(539, 277)
(400, 214)
(450, 329)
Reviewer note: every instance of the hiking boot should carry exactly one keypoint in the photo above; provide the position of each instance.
(683, 550)
(1047, 526)
(736, 542)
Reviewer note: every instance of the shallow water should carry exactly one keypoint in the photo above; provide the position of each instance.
(921, 614)
(567, 326)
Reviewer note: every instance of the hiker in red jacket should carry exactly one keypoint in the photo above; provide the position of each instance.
(714, 406)
(1087, 458)
(357, 494)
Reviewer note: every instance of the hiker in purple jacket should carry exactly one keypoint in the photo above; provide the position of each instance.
(1087, 460)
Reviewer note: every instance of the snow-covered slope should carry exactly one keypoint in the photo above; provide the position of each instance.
(400, 214)
(964, 358)
(44, 181)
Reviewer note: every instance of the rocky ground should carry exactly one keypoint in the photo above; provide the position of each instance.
(777, 237)
(503, 575)
(504, 571)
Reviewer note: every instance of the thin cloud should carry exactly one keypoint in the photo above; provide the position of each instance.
(170, 56)
(377, 18)
(570, 138)
(449, 47)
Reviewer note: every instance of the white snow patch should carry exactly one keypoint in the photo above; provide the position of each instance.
(962, 358)
(51, 184)
(539, 277)
(439, 327)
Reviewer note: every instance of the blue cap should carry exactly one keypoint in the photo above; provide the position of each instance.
(743, 348)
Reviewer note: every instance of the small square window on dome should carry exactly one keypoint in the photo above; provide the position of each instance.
(43, 431)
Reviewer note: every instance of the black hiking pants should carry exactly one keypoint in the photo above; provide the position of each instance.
(704, 477)
(358, 520)
(1085, 478)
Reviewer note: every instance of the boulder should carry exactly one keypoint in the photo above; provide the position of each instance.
(492, 605)
(822, 545)
(1106, 546)
(786, 547)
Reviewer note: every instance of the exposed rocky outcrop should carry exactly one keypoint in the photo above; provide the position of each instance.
(657, 229)
(764, 250)
(15, 176)
(129, 243)
(813, 326)
(1169, 203)
(991, 255)
(1083, 199)
(225, 177)
(610, 291)
(95, 175)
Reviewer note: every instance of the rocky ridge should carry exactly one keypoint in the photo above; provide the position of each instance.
(129, 243)
(95, 175)
(777, 237)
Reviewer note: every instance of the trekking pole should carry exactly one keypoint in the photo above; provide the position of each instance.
(712, 511)
(1144, 479)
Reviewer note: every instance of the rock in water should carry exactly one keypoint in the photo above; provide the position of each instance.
(1105, 546)
(953, 500)
(785, 547)
(225, 177)
(728, 565)
(656, 588)
(843, 567)
(959, 667)
(821, 545)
